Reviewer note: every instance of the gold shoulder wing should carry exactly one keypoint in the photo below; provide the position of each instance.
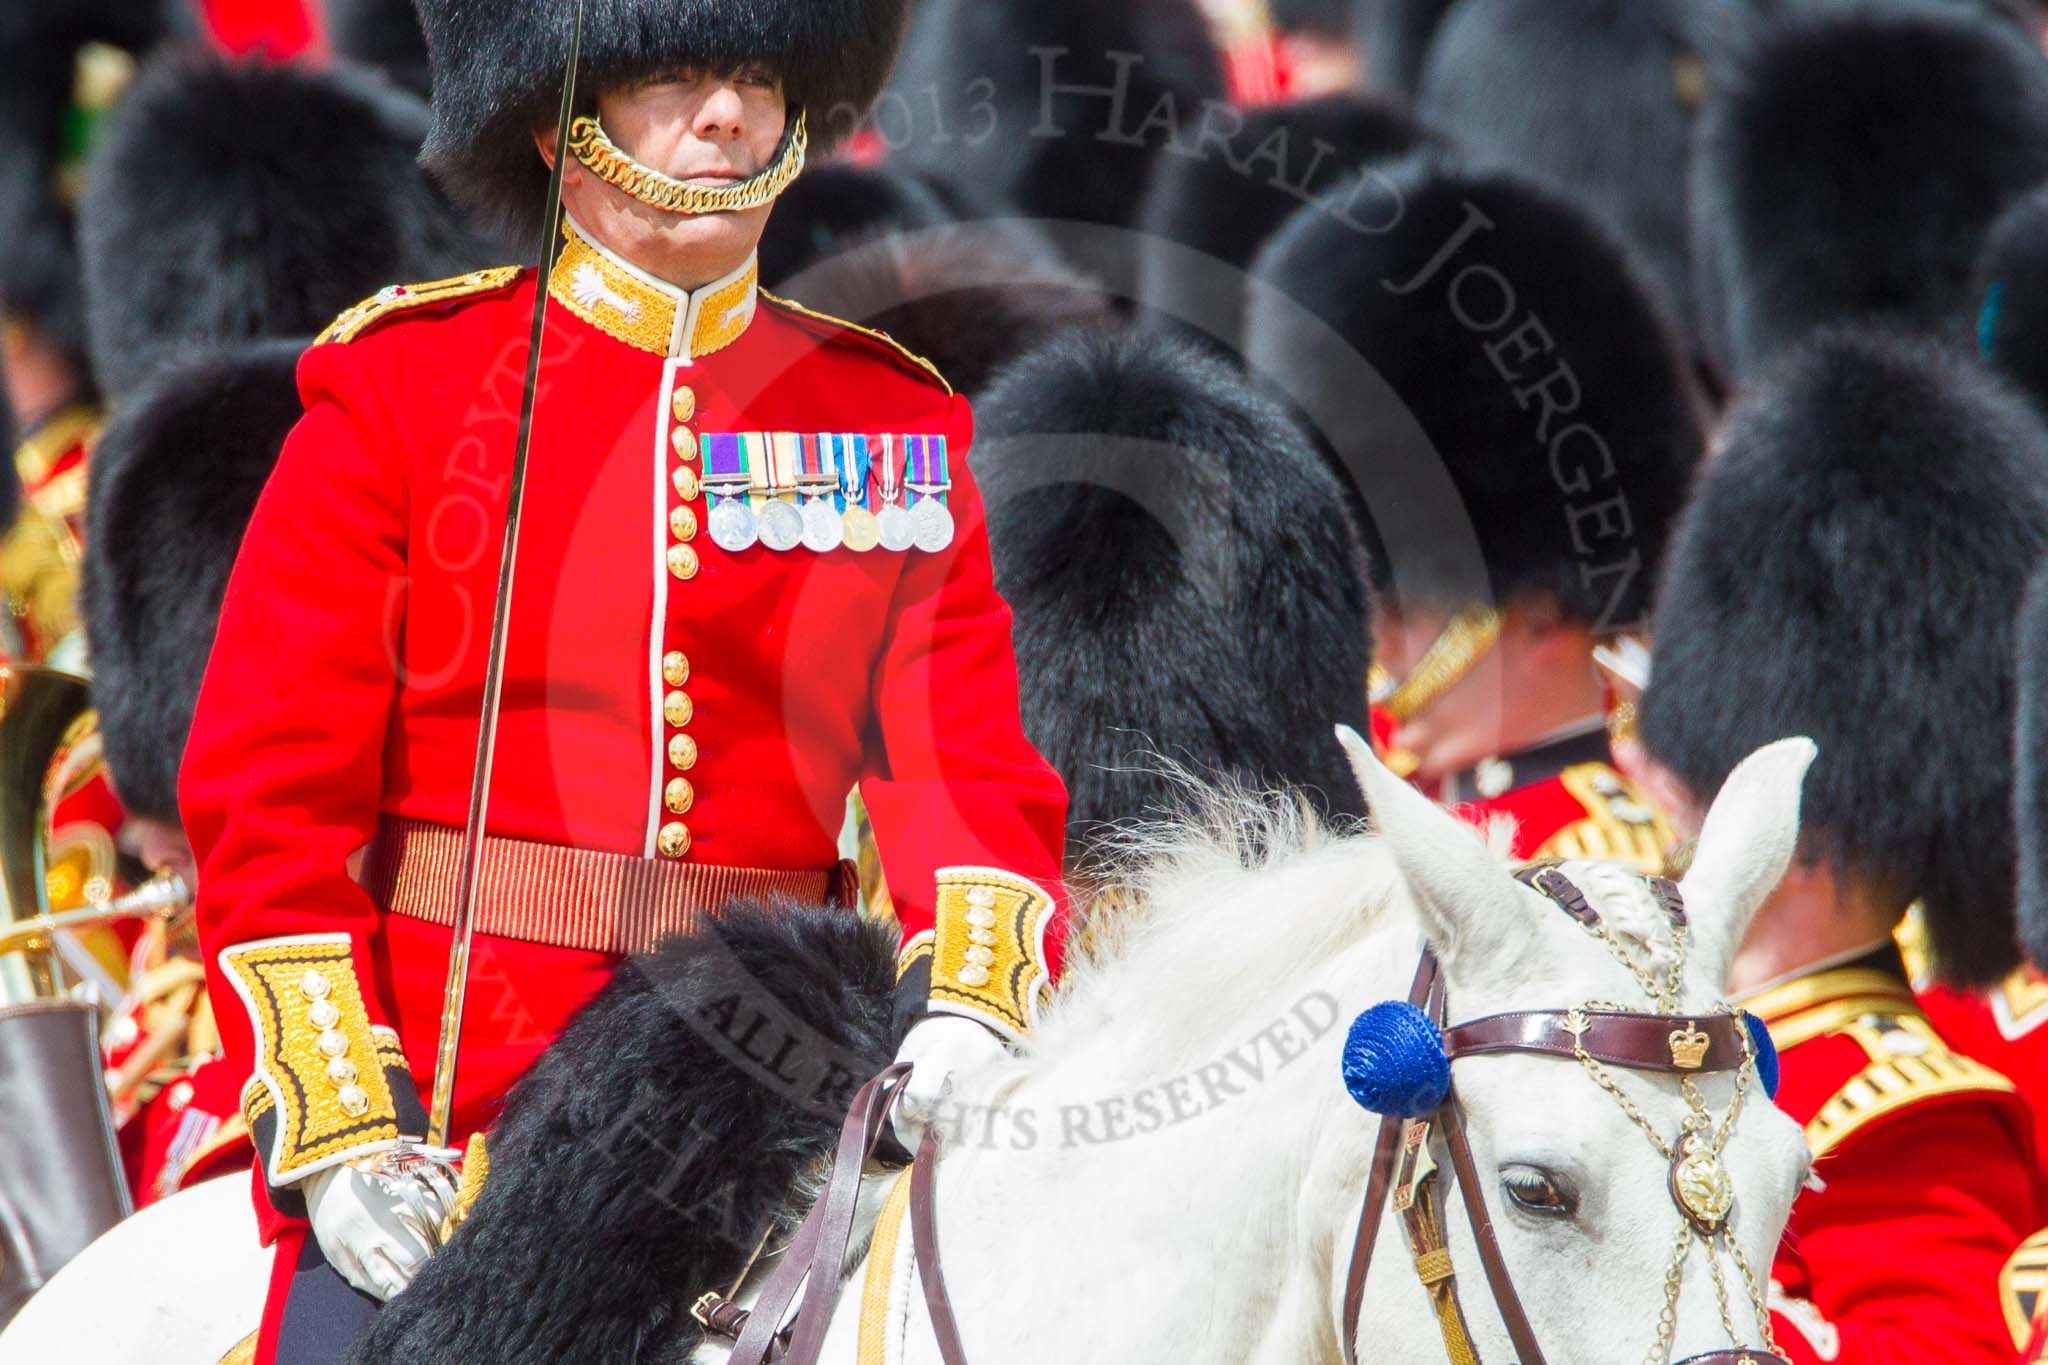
(397, 299)
(1619, 825)
(1909, 1064)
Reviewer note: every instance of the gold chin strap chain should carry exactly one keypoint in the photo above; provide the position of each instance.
(1700, 1185)
(1463, 643)
(589, 145)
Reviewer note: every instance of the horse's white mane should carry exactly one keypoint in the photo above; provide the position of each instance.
(1628, 910)
(1239, 904)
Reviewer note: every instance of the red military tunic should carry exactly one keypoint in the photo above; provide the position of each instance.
(666, 701)
(2006, 1028)
(1923, 1177)
(1566, 801)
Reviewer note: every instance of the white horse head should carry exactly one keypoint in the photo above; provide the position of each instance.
(1580, 1197)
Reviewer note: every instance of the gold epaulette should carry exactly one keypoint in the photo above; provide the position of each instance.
(2021, 1286)
(1619, 825)
(1909, 1062)
(396, 299)
(894, 347)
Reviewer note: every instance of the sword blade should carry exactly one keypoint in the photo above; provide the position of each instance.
(441, 1112)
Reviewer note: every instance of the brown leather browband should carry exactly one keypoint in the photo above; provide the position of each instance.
(1673, 1044)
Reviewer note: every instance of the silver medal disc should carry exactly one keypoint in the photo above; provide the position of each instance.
(782, 526)
(823, 530)
(932, 525)
(732, 526)
(897, 532)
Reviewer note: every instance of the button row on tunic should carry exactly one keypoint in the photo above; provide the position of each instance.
(673, 839)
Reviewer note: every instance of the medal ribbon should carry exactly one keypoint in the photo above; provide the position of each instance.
(853, 456)
(814, 475)
(785, 455)
(725, 463)
(927, 467)
(892, 471)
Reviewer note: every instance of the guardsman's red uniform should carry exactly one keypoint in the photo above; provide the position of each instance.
(1923, 1176)
(682, 722)
(1566, 800)
(2006, 1028)
(2023, 1292)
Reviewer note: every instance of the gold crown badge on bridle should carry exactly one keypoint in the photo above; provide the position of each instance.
(589, 144)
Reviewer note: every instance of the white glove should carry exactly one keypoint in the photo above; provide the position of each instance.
(379, 1220)
(942, 1047)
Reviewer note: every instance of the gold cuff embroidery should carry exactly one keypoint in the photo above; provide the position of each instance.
(988, 958)
(317, 1058)
(917, 949)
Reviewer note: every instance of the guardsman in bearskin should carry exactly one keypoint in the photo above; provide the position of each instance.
(1515, 421)
(1796, 602)
(751, 574)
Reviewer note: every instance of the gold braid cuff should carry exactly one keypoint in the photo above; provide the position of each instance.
(589, 145)
(988, 948)
(1464, 642)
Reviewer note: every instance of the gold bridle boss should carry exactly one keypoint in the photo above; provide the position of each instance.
(1397, 1064)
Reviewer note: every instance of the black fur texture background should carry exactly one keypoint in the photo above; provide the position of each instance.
(384, 35)
(1408, 390)
(497, 75)
(1851, 164)
(1184, 576)
(2030, 805)
(175, 478)
(1395, 35)
(2011, 296)
(640, 1161)
(1595, 98)
(1224, 202)
(320, 205)
(1851, 570)
(992, 95)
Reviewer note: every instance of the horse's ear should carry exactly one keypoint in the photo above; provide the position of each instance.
(1747, 842)
(1464, 895)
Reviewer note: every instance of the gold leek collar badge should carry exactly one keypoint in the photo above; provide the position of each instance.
(628, 304)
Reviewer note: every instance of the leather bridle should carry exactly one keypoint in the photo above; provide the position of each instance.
(1402, 1175)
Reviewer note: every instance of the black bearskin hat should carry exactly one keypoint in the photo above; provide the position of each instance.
(1185, 579)
(1207, 215)
(1396, 35)
(1595, 98)
(835, 208)
(498, 74)
(1007, 125)
(384, 35)
(39, 45)
(2030, 804)
(2012, 295)
(236, 200)
(1324, 18)
(174, 481)
(1850, 166)
(1851, 569)
(969, 297)
(1511, 410)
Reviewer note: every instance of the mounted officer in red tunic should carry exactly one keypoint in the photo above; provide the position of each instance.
(751, 575)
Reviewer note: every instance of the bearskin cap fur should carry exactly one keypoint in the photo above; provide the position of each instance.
(39, 44)
(2012, 296)
(175, 478)
(1185, 579)
(1798, 602)
(1005, 127)
(1473, 369)
(969, 297)
(2030, 806)
(1595, 98)
(1851, 164)
(642, 1159)
(835, 208)
(498, 75)
(383, 35)
(1396, 36)
(1207, 215)
(232, 200)
(1323, 18)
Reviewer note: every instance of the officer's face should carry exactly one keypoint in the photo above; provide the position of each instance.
(712, 129)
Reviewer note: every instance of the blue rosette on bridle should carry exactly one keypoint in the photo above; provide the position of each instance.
(1394, 1062)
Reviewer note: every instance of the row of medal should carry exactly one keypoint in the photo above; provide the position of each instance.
(857, 491)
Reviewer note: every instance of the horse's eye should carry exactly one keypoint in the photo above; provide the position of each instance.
(1537, 1193)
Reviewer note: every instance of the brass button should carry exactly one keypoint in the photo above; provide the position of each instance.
(677, 708)
(679, 796)
(685, 442)
(682, 752)
(674, 839)
(675, 668)
(682, 523)
(682, 562)
(684, 403)
(685, 480)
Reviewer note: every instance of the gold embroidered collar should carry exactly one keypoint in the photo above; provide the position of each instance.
(627, 303)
